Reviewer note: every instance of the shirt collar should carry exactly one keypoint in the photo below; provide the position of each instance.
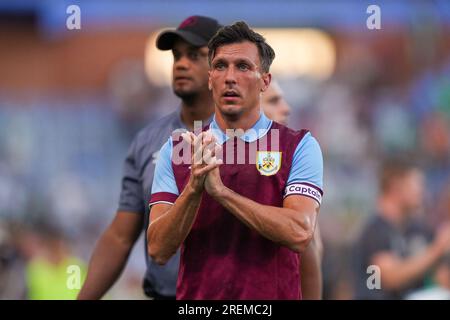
(259, 129)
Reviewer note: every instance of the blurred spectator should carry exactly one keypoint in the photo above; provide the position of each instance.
(12, 264)
(49, 271)
(393, 125)
(277, 109)
(435, 138)
(274, 105)
(395, 240)
(443, 204)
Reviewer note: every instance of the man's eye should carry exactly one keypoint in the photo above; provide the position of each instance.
(176, 56)
(193, 55)
(219, 66)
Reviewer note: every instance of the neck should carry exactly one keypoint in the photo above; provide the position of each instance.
(390, 209)
(198, 108)
(243, 121)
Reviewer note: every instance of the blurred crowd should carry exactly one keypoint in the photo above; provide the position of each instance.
(61, 161)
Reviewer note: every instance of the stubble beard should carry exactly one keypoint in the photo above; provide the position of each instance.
(186, 96)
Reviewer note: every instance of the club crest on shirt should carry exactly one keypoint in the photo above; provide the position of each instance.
(268, 162)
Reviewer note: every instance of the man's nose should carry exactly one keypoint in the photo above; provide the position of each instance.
(286, 109)
(230, 76)
(182, 63)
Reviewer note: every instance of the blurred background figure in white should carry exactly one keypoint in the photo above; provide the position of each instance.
(274, 105)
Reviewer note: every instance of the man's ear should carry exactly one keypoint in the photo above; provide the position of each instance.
(209, 80)
(266, 78)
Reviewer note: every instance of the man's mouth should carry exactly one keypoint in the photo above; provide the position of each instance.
(181, 78)
(230, 95)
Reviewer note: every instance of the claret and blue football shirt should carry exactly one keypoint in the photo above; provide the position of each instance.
(222, 258)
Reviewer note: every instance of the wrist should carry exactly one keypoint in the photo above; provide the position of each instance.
(193, 191)
(219, 192)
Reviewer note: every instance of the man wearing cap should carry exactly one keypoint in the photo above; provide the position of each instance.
(190, 83)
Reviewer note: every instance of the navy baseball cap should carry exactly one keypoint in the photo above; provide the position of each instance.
(196, 30)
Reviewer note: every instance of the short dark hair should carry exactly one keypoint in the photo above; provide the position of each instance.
(237, 33)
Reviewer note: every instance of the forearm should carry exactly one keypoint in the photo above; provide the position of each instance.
(281, 225)
(108, 260)
(167, 232)
(400, 274)
(311, 273)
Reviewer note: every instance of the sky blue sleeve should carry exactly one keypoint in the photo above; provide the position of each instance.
(164, 179)
(307, 169)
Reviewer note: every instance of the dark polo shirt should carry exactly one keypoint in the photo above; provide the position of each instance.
(137, 180)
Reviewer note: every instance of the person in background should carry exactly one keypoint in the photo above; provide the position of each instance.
(440, 288)
(13, 258)
(188, 44)
(395, 240)
(274, 105)
(276, 108)
(53, 272)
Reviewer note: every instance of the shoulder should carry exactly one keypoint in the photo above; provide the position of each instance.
(301, 140)
(374, 226)
(289, 132)
(306, 148)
